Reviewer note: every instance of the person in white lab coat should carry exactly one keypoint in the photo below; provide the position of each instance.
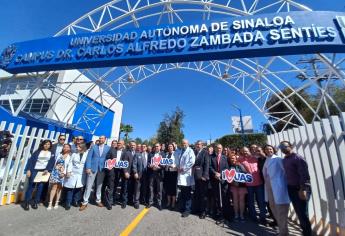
(75, 176)
(185, 178)
(276, 192)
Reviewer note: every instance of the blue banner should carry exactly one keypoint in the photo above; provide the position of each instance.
(237, 37)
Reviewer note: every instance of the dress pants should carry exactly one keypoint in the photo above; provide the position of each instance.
(258, 193)
(301, 209)
(280, 211)
(113, 177)
(140, 189)
(130, 190)
(72, 194)
(99, 176)
(219, 195)
(156, 182)
(186, 198)
(31, 187)
(200, 196)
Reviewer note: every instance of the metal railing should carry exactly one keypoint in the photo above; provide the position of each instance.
(26, 139)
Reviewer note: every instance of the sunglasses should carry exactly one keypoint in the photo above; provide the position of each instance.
(62, 139)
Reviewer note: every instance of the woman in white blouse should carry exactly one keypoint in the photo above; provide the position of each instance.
(75, 176)
(42, 160)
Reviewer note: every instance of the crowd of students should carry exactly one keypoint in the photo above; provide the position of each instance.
(196, 175)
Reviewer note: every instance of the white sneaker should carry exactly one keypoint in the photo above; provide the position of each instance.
(56, 206)
(49, 208)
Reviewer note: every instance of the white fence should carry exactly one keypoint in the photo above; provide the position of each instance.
(323, 146)
(12, 176)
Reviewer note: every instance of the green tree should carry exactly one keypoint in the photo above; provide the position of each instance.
(235, 140)
(126, 129)
(170, 129)
(138, 141)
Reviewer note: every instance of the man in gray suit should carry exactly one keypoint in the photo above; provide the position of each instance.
(140, 176)
(94, 167)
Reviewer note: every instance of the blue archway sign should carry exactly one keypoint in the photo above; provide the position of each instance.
(237, 37)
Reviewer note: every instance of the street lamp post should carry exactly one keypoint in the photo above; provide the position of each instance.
(241, 123)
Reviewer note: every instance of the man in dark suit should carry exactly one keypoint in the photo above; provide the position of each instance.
(219, 187)
(201, 175)
(126, 175)
(156, 175)
(140, 176)
(114, 175)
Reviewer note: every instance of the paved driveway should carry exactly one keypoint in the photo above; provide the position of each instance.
(101, 222)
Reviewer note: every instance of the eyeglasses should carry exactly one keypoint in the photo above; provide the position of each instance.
(62, 139)
(283, 147)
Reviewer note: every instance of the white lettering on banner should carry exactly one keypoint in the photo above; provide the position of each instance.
(232, 175)
(235, 33)
(277, 21)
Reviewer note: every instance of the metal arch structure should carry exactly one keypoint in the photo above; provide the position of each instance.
(258, 79)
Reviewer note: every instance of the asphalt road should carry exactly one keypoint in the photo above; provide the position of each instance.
(101, 222)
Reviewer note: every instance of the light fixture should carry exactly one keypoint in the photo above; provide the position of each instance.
(226, 75)
(130, 78)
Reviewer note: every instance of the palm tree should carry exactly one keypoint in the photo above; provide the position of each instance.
(126, 129)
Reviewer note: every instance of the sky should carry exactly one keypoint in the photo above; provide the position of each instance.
(206, 102)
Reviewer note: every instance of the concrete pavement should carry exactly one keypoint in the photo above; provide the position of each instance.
(101, 222)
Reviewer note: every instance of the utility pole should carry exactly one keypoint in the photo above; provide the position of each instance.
(242, 126)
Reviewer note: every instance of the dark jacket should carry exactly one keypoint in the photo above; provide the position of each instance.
(138, 164)
(223, 165)
(202, 165)
(159, 171)
(125, 156)
(33, 159)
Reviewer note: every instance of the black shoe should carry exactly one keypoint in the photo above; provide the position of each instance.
(109, 207)
(67, 207)
(185, 214)
(34, 205)
(220, 221)
(123, 205)
(202, 215)
(136, 206)
(75, 204)
(149, 205)
(160, 207)
(26, 206)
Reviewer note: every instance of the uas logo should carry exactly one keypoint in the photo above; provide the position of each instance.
(341, 23)
(111, 163)
(232, 175)
(158, 160)
(7, 56)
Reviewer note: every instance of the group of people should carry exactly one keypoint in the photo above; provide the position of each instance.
(200, 175)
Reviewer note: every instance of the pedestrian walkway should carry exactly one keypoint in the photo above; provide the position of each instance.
(101, 222)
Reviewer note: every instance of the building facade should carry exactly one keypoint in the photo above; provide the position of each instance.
(65, 96)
